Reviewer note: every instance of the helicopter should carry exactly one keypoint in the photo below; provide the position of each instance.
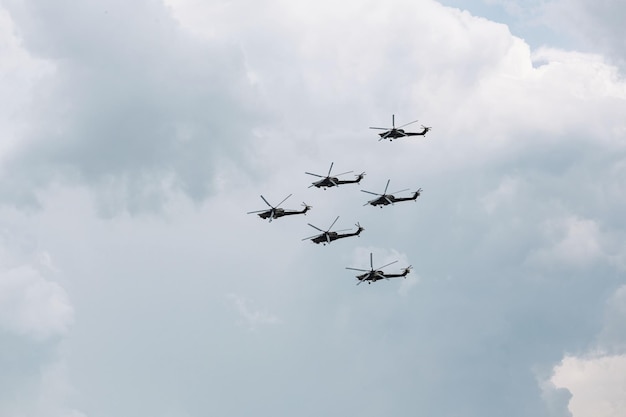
(327, 236)
(276, 212)
(373, 275)
(396, 132)
(386, 199)
(329, 181)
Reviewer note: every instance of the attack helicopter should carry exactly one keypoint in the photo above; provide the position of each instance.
(376, 274)
(275, 212)
(397, 132)
(327, 236)
(386, 199)
(328, 181)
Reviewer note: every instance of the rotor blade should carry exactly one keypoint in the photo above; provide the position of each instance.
(343, 173)
(342, 230)
(406, 124)
(393, 120)
(384, 266)
(315, 227)
(371, 261)
(384, 192)
(315, 175)
(401, 191)
(330, 169)
(278, 205)
(380, 128)
(267, 202)
(257, 211)
(369, 192)
(311, 237)
(357, 269)
(333, 223)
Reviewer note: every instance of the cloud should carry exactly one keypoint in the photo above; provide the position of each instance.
(36, 316)
(597, 378)
(521, 171)
(48, 392)
(576, 242)
(252, 318)
(504, 195)
(124, 109)
(612, 338)
(597, 384)
(598, 25)
(31, 305)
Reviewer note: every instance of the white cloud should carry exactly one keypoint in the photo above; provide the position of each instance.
(252, 318)
(597, 380)
(597, 384)
(32, 305)
(20, 74)
(504, 195)
(573, 242)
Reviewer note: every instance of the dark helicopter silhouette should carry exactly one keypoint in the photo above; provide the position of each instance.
(376, 274)
(329, 181)
(327, 236)
(396, 132)
(385, 199)
(276, 212)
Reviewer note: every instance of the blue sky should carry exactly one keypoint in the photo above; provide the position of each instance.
(138, 136)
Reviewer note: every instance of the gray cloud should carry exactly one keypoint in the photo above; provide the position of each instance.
(515, 240)
(133, 99)
(597, 25)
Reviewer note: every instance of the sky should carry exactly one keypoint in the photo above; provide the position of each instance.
(136, 137)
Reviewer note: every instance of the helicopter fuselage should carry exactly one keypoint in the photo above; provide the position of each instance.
(387, 199)
(393, 133)
(401, 133)
(328, 237)
(327, 182)
(371, 276)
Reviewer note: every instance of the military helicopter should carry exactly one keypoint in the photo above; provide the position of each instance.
(396, 132)
(376, 274)
(327, 236)
(386, 199)
(329, 181)
(276, 212)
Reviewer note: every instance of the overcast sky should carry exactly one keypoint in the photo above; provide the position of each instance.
(135, 137)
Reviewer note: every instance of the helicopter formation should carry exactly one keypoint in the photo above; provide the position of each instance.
(327, 236)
